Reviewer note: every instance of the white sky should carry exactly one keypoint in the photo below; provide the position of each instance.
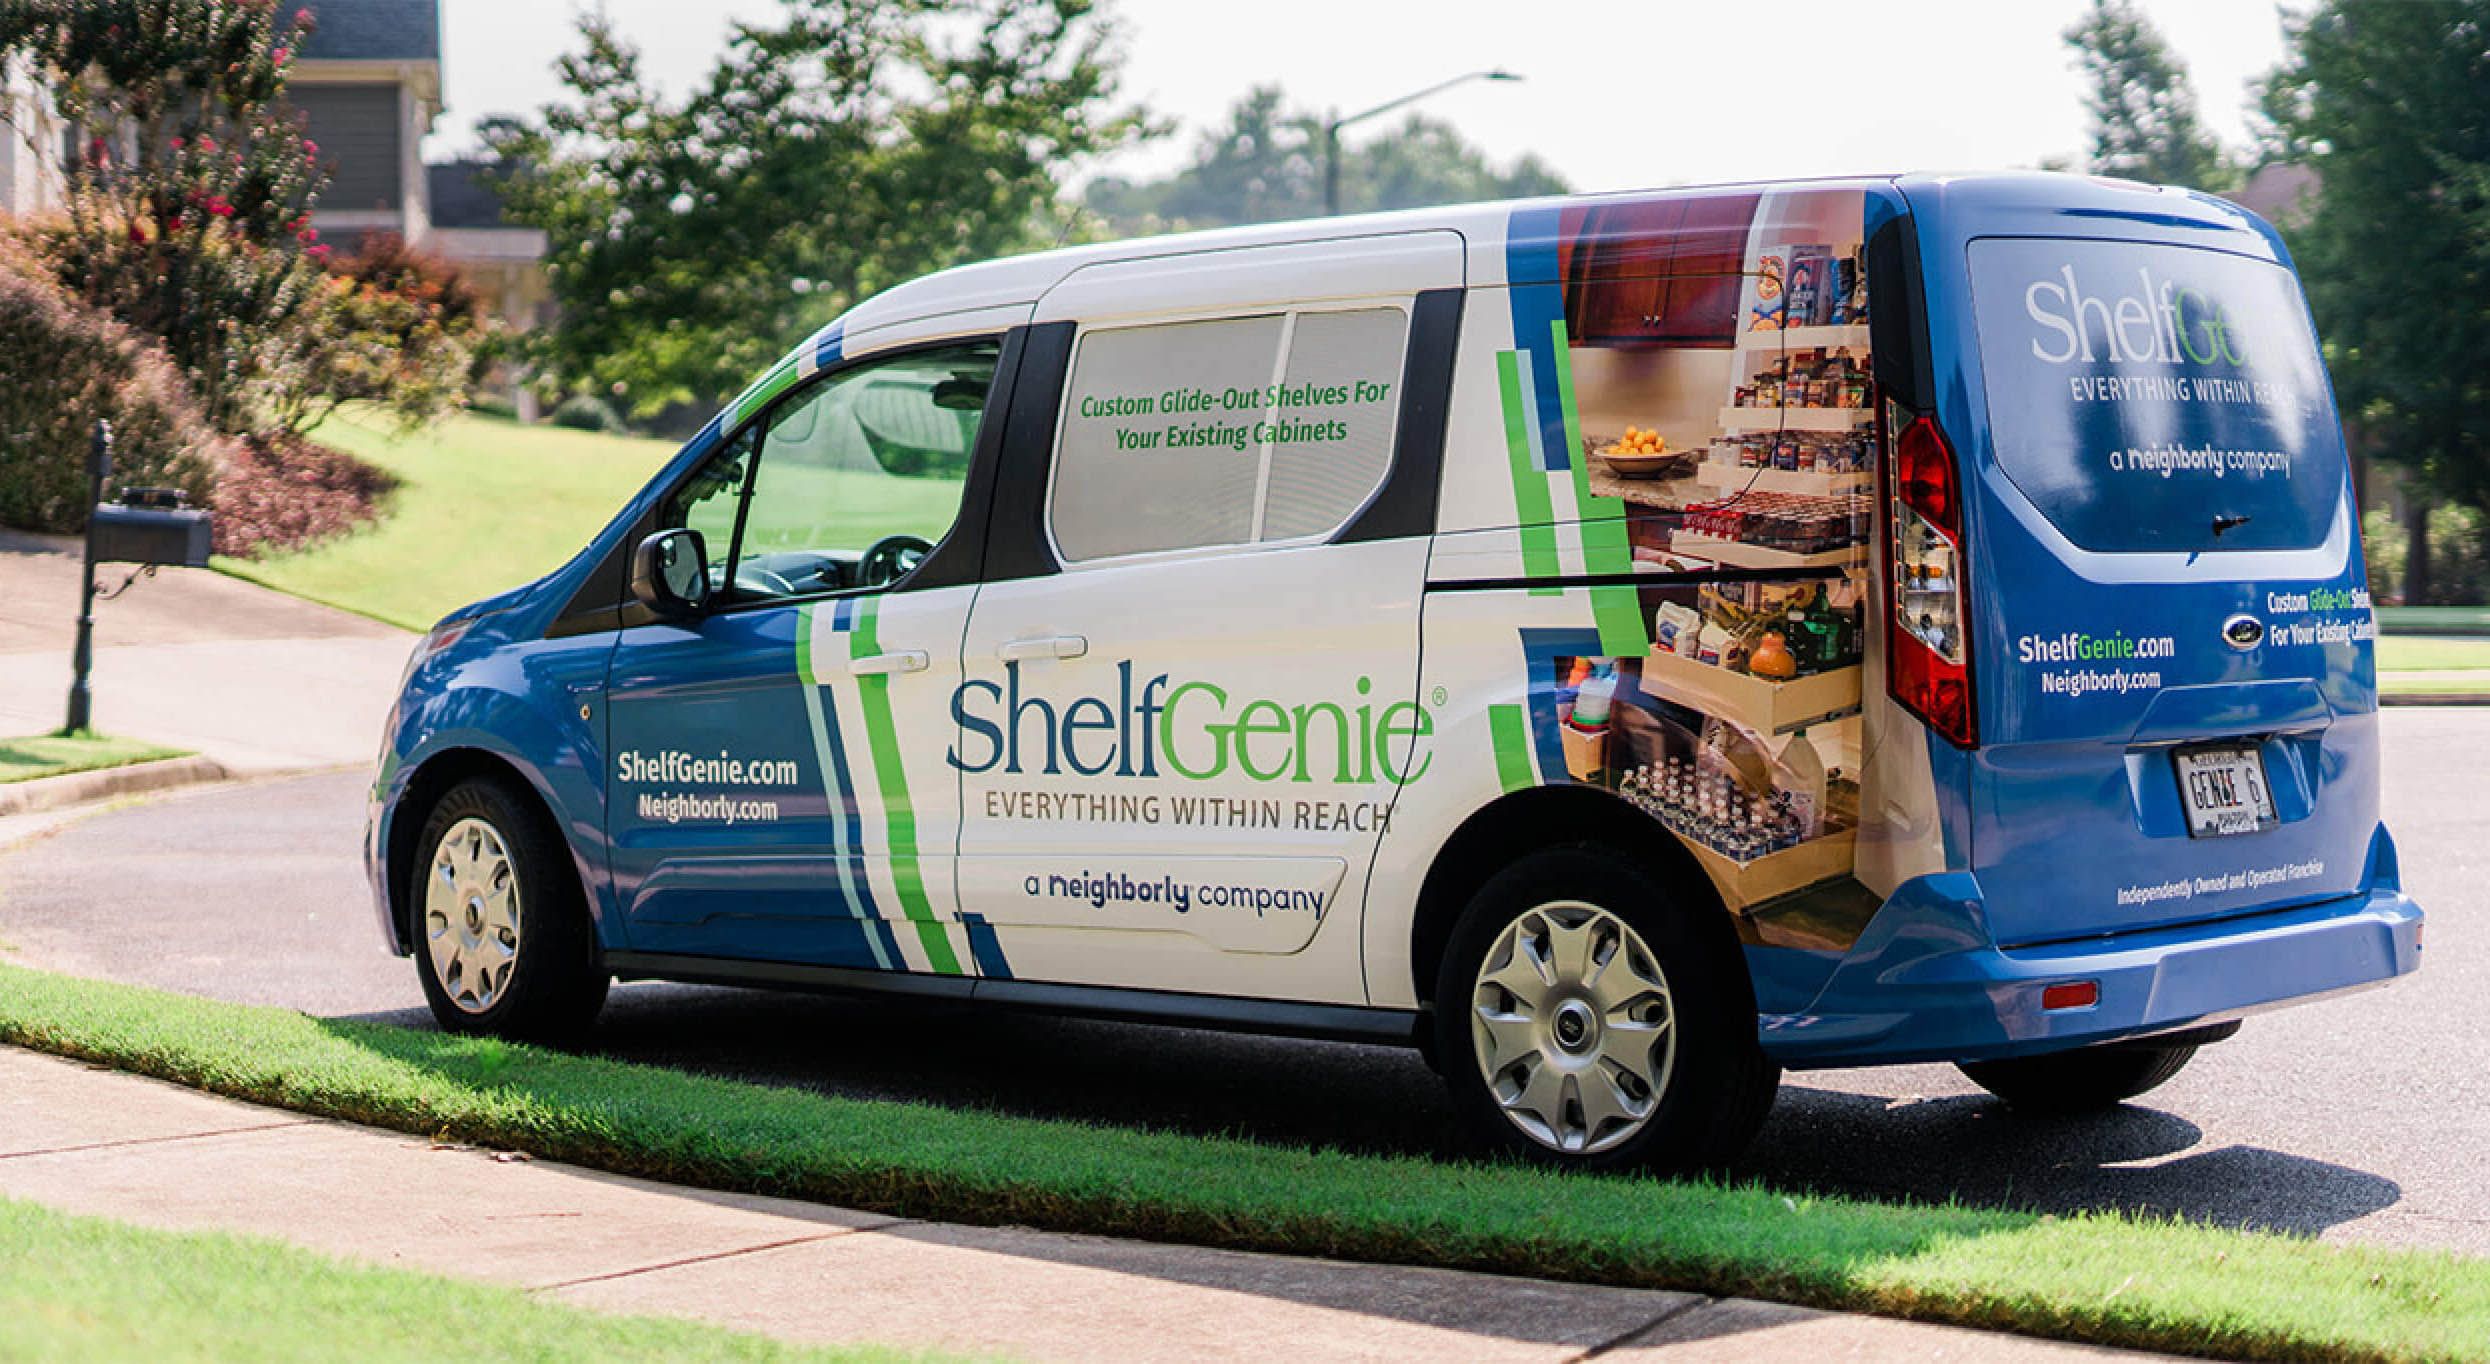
(1617, 94)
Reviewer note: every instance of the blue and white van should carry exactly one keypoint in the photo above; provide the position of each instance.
(1623, 646)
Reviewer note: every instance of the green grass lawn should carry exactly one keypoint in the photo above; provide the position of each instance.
(83, 1288)
(484, 505)
(2104, 1277)
(2432, 653)
(53, 755)
(2434, 620)
(2437, 684)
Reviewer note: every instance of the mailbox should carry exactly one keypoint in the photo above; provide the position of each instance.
(150, 526)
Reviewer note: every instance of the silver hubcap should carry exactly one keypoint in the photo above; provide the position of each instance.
(471, 915)
(1573, 1026)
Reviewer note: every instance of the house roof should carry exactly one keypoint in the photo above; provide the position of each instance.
(2277, 193)
(373, 30)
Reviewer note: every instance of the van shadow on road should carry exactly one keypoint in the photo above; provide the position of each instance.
(2135, 1158)
(254, 894)
(1382, 1100)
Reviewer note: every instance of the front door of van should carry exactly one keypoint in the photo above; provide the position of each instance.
(777, 790)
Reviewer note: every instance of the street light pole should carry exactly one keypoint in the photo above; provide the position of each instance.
(1331, 129)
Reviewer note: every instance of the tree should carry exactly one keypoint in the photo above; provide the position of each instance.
(189, 199)
(188, 216)
(2389, 102)
(2142, 105)
(1266, 165)
(843, 147)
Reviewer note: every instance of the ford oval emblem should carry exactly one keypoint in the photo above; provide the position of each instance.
(2243, 632)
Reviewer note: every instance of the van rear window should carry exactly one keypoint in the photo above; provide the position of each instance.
(2156, 398)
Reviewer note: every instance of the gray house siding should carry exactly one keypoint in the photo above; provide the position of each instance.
(360, 133)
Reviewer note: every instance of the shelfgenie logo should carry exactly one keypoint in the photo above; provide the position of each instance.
(2162, 324)
(2078, 647)
(676, 767)
(2075, 646)
(1193, 730)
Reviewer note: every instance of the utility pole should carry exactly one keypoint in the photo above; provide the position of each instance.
(1332, 127)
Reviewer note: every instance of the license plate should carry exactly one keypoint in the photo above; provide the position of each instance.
(2224, 790)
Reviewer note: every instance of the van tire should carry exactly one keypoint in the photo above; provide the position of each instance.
(1719, 1085)
(544, 981)
(2086, 1080)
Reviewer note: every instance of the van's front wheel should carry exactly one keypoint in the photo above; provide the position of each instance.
(502, 940)
(1583, 1020)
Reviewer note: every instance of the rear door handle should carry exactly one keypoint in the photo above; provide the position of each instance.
(1043, 646)
(898, 661)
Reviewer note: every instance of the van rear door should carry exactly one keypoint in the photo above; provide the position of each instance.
(2172, 653)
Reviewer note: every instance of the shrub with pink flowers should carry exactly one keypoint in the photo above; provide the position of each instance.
(189, 220)
(189, 206)
(190, 213)
(67, 365)
(281, 492)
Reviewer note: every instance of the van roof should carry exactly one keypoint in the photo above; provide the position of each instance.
(1025, 278)
(1012, 281)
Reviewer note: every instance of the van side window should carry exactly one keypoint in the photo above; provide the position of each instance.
(863, 474)
(1318, 480)
(1234, 431)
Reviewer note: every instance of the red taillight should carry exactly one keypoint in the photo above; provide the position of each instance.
(1928, 664)
(1925, 466)
(2073, 994)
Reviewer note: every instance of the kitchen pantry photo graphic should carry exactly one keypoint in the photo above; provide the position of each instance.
(1720, 358)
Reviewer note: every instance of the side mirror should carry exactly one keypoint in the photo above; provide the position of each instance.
(670, 572)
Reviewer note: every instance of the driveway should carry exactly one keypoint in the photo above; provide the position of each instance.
(260, 681)
(2364, 1118)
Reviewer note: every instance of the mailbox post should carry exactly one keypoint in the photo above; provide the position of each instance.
(81, 699)
(150, 527)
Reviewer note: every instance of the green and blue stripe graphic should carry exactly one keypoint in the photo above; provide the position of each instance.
(858, 619)
(1543, 439)
(846, 823)
(1543, 444)
(809, 359)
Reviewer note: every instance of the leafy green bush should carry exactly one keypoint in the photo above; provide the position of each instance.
(2459, 539)
(488, 403)
(67, 365)
(395, 327)
(588, 412)
(195, 224)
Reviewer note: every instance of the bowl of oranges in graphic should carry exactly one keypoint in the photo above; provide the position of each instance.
(1645, 454)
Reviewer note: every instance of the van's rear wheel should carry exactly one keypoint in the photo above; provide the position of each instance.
(1583, 1019)
(2082, 1081)
(502, 939)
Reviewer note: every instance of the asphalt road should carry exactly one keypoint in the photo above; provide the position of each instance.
(257, 680)
(2364, 1118)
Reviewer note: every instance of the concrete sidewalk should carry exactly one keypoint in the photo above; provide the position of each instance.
(259, 681)
(97, 1142)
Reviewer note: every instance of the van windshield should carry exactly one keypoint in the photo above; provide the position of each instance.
(2156, 398)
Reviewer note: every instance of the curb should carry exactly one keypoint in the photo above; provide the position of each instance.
(2452, 698)
(80, 788)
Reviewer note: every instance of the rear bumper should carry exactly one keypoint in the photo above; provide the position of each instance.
(1924, 984)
